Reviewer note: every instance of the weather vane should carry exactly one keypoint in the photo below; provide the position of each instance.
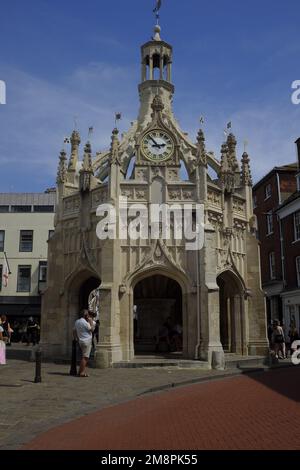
(118, 117)
(156, 9)
(90, 132)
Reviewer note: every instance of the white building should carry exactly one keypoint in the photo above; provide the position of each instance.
(26, 224)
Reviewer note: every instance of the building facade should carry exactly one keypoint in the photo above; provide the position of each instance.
(214, 293)
(26, 224)
(289, 220)
(268, 195)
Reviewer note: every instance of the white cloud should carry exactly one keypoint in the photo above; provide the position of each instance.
(270, 129)
(40, 113)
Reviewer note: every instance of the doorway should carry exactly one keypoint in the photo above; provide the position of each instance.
(158, 318)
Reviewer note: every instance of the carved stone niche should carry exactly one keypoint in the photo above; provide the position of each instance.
(188, 195)
(122, 289)
(157, 171)
(127, 192)
(215, 219)
(71, 204)
(99, 196)
(227, 233)
(173, 174)
(214, 198)
(240, 225)
(141, 174)
(238, 206)
(175, 194)
(140, 194)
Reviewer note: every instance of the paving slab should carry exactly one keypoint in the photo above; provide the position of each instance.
(32, 408)
(260, 411)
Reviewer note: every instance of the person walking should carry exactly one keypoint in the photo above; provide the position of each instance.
(2, 346)
(32, 329)
(278, 340)
(83, 333)
(7, 330)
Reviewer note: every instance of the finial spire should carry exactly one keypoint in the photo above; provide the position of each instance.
(201, 151)
(75, 142)
(62, 168)
(114, 147)
(157, 31)
(227, 174)
(246, 170)
(233, 161)
(87, 165)
(156, 10)
(86, 172)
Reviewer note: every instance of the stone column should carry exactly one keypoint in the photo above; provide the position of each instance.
(151, 68)
(237, 321)
(258, 342)
(229, 325)
(144, 72)
(232, 324)
(210, 308)
(244, 324)
(169, 72)
(109, 347)
(161, 67)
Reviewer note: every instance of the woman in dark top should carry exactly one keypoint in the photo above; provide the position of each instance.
(6, 330)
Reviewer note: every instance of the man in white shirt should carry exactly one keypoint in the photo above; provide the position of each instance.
(83, 333)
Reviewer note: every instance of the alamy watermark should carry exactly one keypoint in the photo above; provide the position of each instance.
(152, 221)
(296, 93)
(2, 92)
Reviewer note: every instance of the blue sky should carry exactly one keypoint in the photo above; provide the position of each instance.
(233, 61)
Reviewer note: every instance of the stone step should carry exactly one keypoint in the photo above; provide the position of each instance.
(243, 362)
(160, 362)
(20, 352)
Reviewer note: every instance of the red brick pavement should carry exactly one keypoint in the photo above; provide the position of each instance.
(259, 411)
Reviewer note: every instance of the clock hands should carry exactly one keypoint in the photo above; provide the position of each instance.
(156, 144)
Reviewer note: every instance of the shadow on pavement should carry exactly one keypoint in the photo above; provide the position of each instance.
(285, 381)
(11, 385)
(63, 374)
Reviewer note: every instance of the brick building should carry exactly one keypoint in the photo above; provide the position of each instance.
(289, 223)
(270, 193)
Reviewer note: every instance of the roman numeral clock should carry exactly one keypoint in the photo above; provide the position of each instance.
(157, 146)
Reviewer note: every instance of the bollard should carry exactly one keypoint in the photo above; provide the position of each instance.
(38, 366)
(73, 370)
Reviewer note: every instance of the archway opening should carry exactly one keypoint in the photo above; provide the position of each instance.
(231, 313)
(158, 316)
(85, 290)
(80, 289)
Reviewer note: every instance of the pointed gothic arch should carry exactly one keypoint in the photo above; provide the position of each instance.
(169, 276)
(78, 287)
(232, 312)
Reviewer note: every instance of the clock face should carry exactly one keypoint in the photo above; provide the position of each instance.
(157, 146)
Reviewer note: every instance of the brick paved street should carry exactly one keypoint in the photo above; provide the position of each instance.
(258, 411)
(29, 409)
